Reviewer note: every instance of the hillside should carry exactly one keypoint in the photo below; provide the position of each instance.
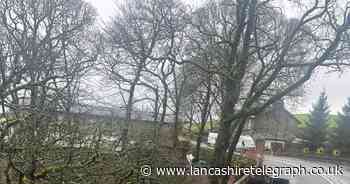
(303, 118)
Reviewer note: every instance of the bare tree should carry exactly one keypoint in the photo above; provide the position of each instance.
(261, 56)
(43, 57)
(140, 33)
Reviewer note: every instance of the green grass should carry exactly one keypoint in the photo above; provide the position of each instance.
(195, 127)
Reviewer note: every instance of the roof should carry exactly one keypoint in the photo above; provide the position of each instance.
(245, 141)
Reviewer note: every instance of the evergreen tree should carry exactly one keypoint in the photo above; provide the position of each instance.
(316, 129)
(341, 135)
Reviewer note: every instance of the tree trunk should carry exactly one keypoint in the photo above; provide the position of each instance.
(178, 98)
(164, 102)
(238, 126)
(235, 139)
(232, 84)
(199, 140)
(176, 126)
(156, 104)
(204, 117)
(129, 107)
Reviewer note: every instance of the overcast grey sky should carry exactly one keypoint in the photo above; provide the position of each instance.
(336, 85)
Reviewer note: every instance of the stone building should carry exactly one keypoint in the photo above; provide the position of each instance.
(275, 128)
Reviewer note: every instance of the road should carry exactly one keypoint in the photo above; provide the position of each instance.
(273, 161)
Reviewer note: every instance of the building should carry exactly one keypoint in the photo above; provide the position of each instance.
(275, 128)
(109, 119)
